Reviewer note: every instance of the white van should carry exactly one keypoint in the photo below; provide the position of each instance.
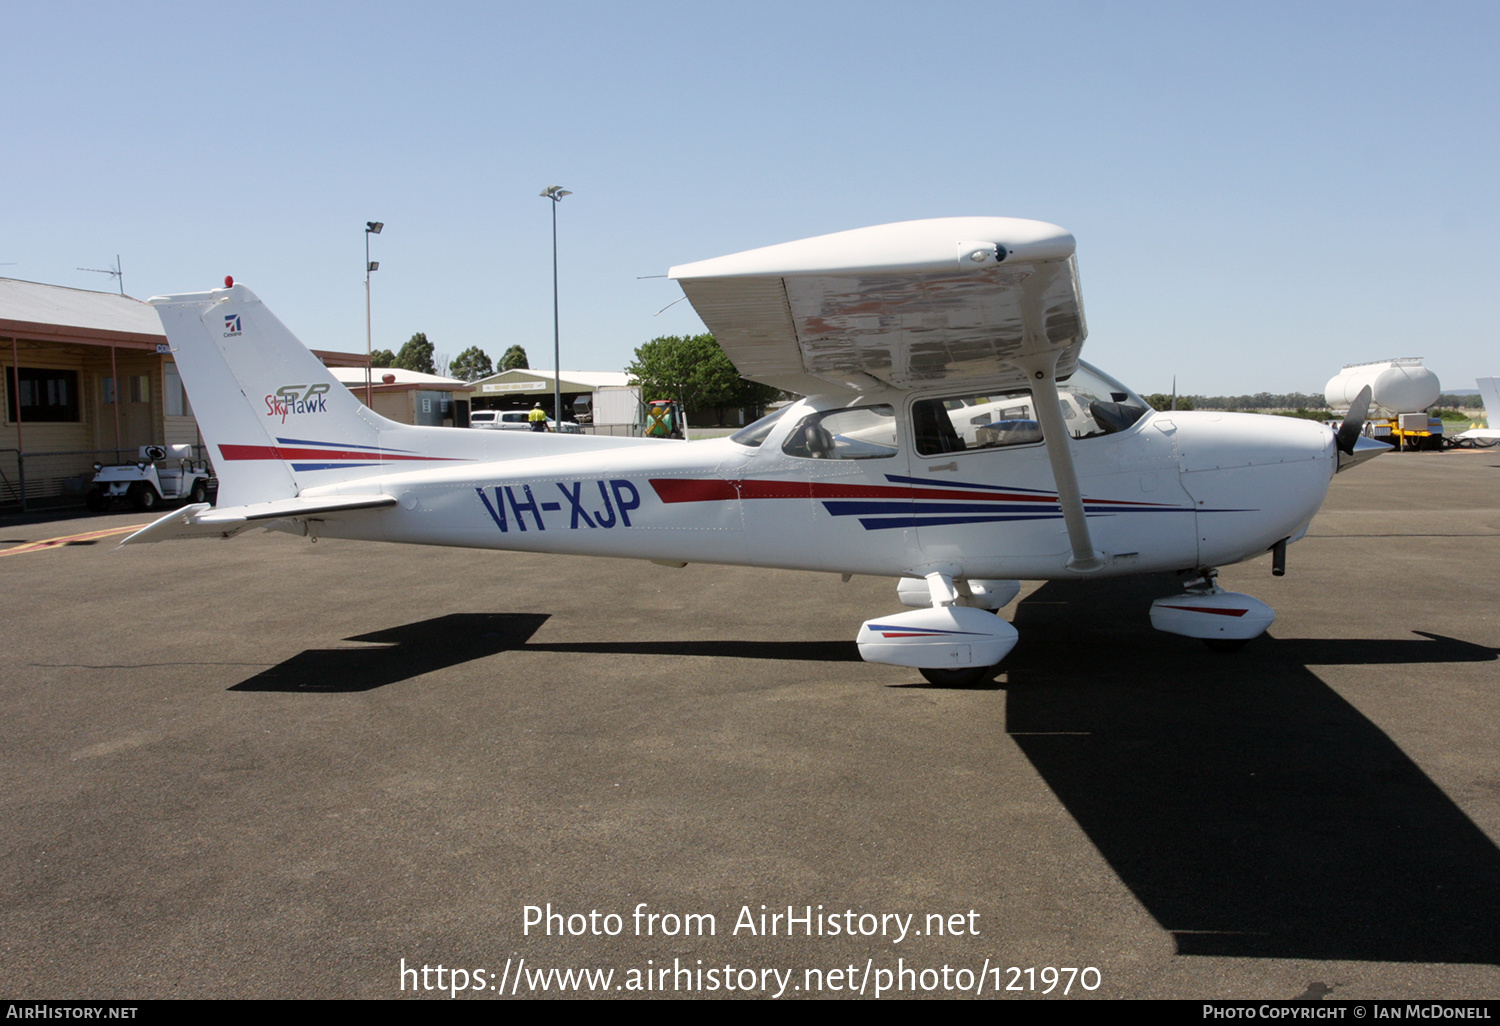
(513, 420)
(499, 420)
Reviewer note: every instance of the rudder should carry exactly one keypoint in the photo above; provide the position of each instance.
(260, 397)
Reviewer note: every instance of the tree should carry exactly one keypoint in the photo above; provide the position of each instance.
(514, 359)
(694, 371)
(471, 365)
(416, 355)
(382, 358)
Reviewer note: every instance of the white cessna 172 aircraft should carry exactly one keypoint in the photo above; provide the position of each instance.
(950, 438)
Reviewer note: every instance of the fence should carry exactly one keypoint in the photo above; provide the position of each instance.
(614, 430)
(49, 480)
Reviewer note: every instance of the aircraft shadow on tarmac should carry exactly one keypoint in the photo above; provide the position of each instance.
(1250, 808)
(403, 652)
(426, 646)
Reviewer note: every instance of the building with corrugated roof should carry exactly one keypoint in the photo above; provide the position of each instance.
(410, 397)
(85, 372)
(89, 378)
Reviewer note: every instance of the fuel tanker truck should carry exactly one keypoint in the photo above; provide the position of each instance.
(1401, 392)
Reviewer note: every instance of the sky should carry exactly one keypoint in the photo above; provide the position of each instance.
(1261, 192)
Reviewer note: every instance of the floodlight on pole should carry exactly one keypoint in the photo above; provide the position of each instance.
(555, 193)
(371, 228)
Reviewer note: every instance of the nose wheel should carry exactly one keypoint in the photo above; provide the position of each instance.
(1224, 645)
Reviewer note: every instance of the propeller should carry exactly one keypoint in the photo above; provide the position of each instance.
(1353, 446)
(1354, 422)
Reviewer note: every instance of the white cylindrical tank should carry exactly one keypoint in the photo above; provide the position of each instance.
(1396, 386)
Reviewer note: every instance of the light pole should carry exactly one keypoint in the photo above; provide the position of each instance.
(555, 193)
(371, 228)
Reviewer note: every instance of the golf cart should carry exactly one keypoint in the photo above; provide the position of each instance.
(162, 473)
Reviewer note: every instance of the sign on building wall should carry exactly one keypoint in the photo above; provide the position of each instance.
(518, 386)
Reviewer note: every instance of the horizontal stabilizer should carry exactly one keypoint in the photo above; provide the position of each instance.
(203, 521)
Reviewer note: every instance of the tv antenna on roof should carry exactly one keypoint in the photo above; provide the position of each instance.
(115, 272)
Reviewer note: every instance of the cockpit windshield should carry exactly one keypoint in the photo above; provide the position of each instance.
(754, 433)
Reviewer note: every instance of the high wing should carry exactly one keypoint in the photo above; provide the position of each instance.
(906, 304)
(896, 305)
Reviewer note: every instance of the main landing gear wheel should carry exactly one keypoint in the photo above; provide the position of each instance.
(964, 678)
(1227, 646)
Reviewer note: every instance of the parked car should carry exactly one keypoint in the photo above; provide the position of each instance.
(514, 420)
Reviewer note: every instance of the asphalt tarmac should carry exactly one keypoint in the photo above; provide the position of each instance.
(268, 768)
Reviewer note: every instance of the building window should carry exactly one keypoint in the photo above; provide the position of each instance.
(176, 396)
(138, 385)
(44, 395)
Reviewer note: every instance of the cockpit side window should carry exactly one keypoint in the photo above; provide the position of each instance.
(860, 433)
(1092, 405)
(962, 423)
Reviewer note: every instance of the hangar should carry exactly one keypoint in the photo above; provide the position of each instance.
(518, 388)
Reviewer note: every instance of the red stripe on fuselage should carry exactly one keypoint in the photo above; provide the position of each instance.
(274, 452)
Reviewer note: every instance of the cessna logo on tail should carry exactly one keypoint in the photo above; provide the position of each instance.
(231, 325)
(290, 399)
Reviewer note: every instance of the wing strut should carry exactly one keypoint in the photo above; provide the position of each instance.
(1042, 369)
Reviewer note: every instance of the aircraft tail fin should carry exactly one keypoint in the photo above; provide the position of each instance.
(266, 406)
(1489, 391)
